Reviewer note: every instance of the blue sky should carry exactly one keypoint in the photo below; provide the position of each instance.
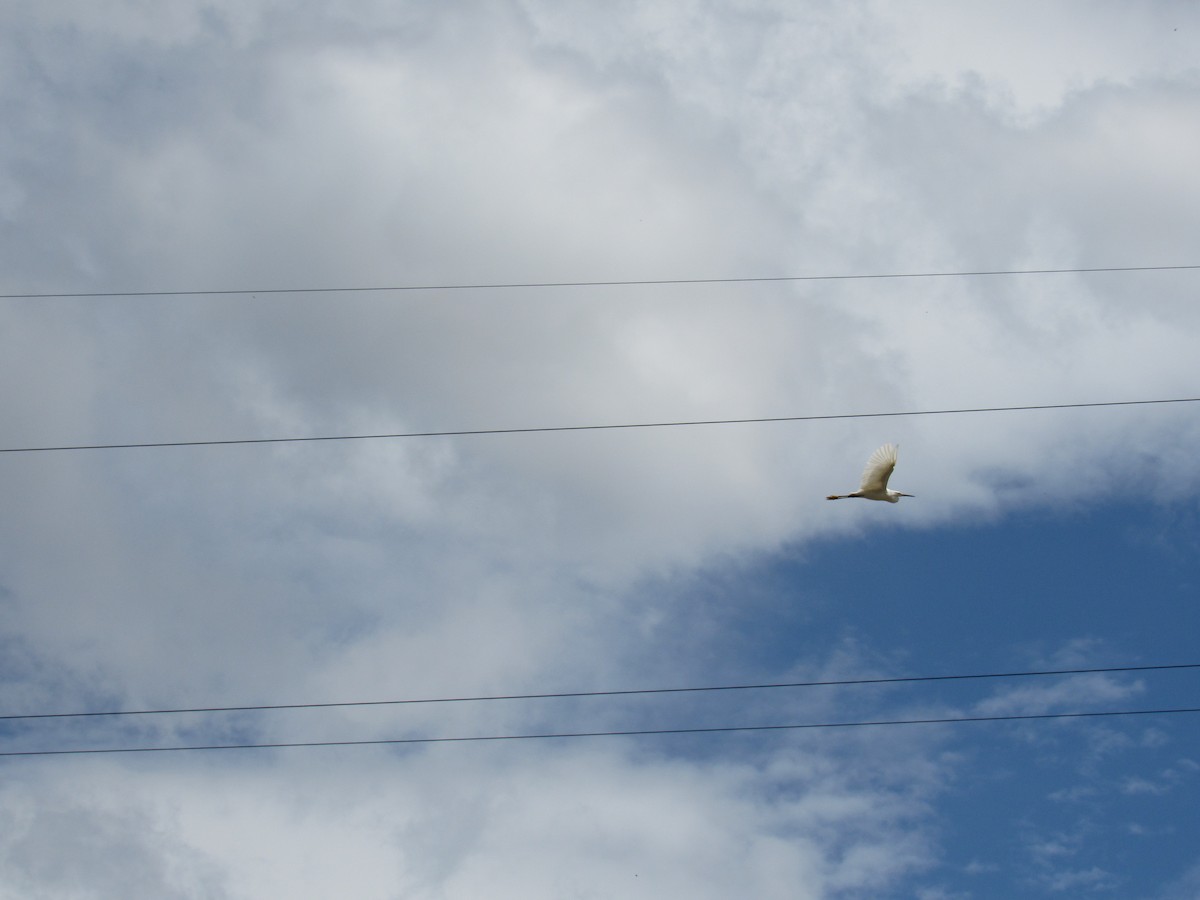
(1042, 589)
(242, 148)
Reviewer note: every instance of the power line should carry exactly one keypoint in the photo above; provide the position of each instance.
(725, 729)
(904, 679)
(611, 427)
(492, 286)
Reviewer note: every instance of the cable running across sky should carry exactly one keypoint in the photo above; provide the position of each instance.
(493, 286)
(643, 732)
(849, 682)
(611, 427)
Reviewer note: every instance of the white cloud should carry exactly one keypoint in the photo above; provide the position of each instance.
(1092, 879)
(1186, 885)
(1141, 786)
(1073, 693)
(456, 822)
(257, 145)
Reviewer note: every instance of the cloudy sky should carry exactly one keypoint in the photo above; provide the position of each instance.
(234, 155)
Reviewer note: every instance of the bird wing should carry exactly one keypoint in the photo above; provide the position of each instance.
(879, 469)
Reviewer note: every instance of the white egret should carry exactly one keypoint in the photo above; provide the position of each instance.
(875, 478)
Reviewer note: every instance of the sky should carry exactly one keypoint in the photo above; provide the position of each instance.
(176, 180)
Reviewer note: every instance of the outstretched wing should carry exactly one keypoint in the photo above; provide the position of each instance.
(879, 469)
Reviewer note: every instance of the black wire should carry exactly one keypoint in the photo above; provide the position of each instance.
(909, 679)
(550, 428)
(727, 729)
(572, 284)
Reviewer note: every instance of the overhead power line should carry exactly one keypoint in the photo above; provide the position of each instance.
(903, 679)
(642, 732)
(492, 286)
(610, 427)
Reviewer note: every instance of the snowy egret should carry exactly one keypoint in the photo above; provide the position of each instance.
(875, 478)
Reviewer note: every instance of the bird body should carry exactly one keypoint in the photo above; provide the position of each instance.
(875, 478)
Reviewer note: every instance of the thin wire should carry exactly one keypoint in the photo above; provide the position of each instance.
(573, 284)
(909, 679)
(550, 428)
(726, 729)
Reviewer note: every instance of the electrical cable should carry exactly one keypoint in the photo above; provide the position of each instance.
(611, 427)
(574, 284)
(726, 729)
(903, 679)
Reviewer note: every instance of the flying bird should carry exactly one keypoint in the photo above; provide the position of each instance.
(875, 478)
